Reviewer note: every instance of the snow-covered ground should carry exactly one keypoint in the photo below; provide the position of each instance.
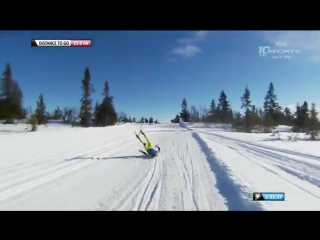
(200, 168)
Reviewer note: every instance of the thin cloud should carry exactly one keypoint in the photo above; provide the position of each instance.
(186, 51)
(170, 60)
(189, 46)
(194, 38)
(315, 58)
(307, 41)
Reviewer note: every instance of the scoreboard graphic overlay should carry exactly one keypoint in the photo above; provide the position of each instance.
(268, 196)
(61, 42)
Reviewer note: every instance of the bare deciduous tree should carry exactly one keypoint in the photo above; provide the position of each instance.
(194, 114)
(69, 114)
(204, 112)
(121, 115)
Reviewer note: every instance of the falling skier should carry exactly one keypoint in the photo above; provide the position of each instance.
(148, 146)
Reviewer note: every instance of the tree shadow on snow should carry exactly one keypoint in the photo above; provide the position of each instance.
(127, 157)
(230, 190)
(107, 158)
(287, 140)
(13, 131)
(271, 140)
(211, 128)
(178, 130)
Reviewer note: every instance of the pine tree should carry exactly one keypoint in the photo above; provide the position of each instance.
(6, 84)
(246, 104)
(212, 111)
(125, 119)
(218, 113)
(261, 114)
(280, 116)
(271, 107)
(151, 120)
(57, 114)
(304, 116)
(255, 119)
(86, 102)
(223, 108)
(314, 126)
(96, 114)
(11, 97)
(109, 115)
(40, 112)
(297, 119)
(177, 119)
(237, 122)
(16, 106)
(288, 117)
(184, 114)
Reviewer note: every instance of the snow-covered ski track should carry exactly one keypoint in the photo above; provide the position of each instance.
(102, 169)
(142, 194)
(286, 171)
(18, 179)
(178, 179)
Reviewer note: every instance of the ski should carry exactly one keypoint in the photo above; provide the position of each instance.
(144, 152)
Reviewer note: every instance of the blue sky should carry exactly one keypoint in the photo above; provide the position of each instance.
(150, 72)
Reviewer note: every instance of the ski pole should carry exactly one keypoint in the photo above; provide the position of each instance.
(140, 127)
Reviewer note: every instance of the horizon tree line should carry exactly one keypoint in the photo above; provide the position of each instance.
(102, 114)
(254, 119)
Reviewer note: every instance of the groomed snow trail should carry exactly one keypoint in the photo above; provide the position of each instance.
(269, 169)
(61, 168)
(101, 169)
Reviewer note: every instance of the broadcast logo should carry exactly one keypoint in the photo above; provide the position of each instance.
(280, 50)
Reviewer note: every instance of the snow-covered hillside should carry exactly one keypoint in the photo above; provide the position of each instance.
(200, 168)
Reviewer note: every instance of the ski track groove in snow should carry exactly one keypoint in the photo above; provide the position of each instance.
(53, 158)
(182, 177)
(280, 150)
(141, 195)
(187, 170)
(125, 197)
(311, 161)
(144, 194)
(196, 193)
(236, 196)
(23, 182)
(152, 186)
(173, 180)
(298, 167)
(244, 150)
(197, 176)
(53, 163)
